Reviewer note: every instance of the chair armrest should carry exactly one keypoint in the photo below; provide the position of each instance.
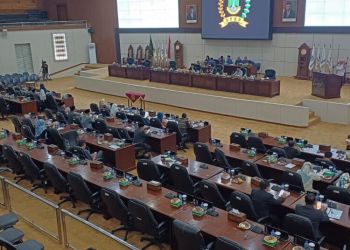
(210, 245)
(239, 170)
(162, 225)
(320, 241)
(263, 219)
(95, 195)
(228, 206)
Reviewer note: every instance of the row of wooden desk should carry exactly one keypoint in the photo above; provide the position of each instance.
(138, 73)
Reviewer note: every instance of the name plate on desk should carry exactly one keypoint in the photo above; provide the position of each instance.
(263, 134)
(110, 119)
(154, 186)
(52, 148)
(108, 137)
(16, 136)
(324, 148)
(236, 217)
(255, 181)
(96, 164)
(298, 162)
(235, 147)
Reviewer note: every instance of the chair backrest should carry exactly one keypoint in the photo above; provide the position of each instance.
(142, 217)
(115, 205)
(338, 194)
(28, 122)
(94, 108)
(293, 179)
(51, 102)
(210, 192)
(100, 126)
(124, 134)
(222, 243)
(322, 162)
(221, 159)
(55, 177)
(296, 224)
(239, 139)
(80, 152)
(256, 142)
(77, 120)
(114, 132)
(27, 132)
(187, 236)
(80, 189)
(121, 115)
(13, 161)
(251, 169)
(147, 170)
(17, 123)
(202, 153)
(71, 138)
(279, 151)
(172, 65)
(49, 114)
(61, 118)
(174, 128)
(55, 138)
(154, 122)
(244, 204)
(181, 180)
(30, 168)
(138, 118)
(270, 73)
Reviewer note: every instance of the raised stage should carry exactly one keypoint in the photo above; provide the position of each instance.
(283, 109)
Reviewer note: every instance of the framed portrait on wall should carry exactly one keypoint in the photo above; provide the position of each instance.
(290, 10)
(191, 13)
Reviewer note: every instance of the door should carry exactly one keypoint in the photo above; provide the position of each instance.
(62, 14)
(24, 58)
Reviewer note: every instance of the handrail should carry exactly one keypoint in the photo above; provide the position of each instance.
(44, 23)
(70, 67)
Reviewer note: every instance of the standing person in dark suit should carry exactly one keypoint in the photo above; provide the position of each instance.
(316, 216)
(263, 200)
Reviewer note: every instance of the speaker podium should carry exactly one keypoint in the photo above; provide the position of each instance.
(326, 86)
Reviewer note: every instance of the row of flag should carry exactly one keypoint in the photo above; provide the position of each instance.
(320, 61)
(160, 52)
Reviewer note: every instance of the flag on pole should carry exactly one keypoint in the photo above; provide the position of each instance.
(169, 49)
(151, 48)
(323, 59)
(329, 61)
(318, 60)
(312, 59)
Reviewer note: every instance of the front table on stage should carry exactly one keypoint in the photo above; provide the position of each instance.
(159, 76)
(268, 88)
(230, 84)
(204, 81)
(116, 70)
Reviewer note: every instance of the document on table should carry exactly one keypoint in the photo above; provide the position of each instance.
(290, 165)
(334, 213)
(113, 146)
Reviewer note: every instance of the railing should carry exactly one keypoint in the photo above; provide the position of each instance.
(59, 224)
(45, 23)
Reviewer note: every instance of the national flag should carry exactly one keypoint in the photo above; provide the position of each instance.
(323, 59)
(312, 59)
(330, 61)
(169, 49)
(151, 48)
(318, 59)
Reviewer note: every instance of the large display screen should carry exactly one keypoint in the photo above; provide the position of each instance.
(237, 19)
(148, 13)
(327, 13)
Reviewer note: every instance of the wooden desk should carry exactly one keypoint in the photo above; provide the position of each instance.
(229, 84)
(139, 73)
(67, 101)
(22, 107)
(268, 88)
(116, 70)
(193, 168)
(200, 134)
(230, 69)
(180, 78)
(161, 76)
(204, 81)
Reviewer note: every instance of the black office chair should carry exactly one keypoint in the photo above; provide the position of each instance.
(94, 108)
(26, 245)
(114, 132)
(239, 139)
(181, 180)
(256, 142)
(149, 171)
(124, 134)
(77, 120)
(244, 203)
(117, 209)
(28, 122)
(4, 108)
(51, 103)
(13, 162)
(32, 172)
(202, 153)
(105, 112)
(222, 243)
(49, 114)
(82, 192)
(291, 152)
(296, 224)
(251, 169)
(181, 138)
(187, 236)
(27, 132)
(324, 163)
(279, 151)
(294, 180)
(80, 152)
(61, 118)
(59, 183)
(145, 222)
(222, 161)
(338, 194)
(172, 65)
(16, 123)
(155, 123)
(210, 192)
(71, 139)
(270, 73)
(54, 137)
(121, 115)
(138, 118)
(100, 126)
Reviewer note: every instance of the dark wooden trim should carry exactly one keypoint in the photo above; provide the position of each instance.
(161, 30)
(117, 46)
(319, 30)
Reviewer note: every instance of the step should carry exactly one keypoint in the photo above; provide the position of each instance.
(314, 120)
(311, 114)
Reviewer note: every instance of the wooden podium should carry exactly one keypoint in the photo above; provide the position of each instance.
(326, 86)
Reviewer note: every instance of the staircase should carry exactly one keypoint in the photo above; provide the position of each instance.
(313, 119)
(90, 67)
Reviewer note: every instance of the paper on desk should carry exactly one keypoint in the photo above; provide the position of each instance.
(290, 165)
(334, 213)
(113, 146)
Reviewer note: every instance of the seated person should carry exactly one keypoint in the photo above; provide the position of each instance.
(308, 176)
(40, 130)
(183, 123)
(292, 151)
(162, 119)
(238, 61)
(245, 60)
(139, 141)
(103, 104)
(145, 120)
(309, 211)
(328, 158)
(114, 110)
(263, 200)
(229, 60)
(62, 108)
(206, 60)
(221, 60)
(238, 73)
(71, 114)
(348, 143)
(211, 62)
(86, 120)
(96, 156)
